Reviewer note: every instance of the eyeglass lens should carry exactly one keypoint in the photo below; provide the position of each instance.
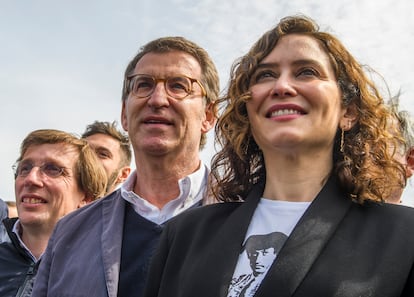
(49, 169)
(177, 87)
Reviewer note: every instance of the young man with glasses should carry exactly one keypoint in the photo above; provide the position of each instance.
(55, 174)
(169, 92)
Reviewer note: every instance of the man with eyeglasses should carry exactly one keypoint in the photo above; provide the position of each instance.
(55, 174)
(169, 92)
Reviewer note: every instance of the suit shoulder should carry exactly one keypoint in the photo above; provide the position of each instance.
(88, 212)
(397, 210)
(386, 215)
(401, 211)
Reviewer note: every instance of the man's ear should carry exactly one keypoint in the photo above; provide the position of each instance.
(124, 120)
(349, 117)
(210, 118)
(410, 162)
(124, 173)
(86, 200)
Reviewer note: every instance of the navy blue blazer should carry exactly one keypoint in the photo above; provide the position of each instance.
(338, 248)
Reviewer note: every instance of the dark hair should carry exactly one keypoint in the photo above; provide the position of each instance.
(111, 130)
(264, 241)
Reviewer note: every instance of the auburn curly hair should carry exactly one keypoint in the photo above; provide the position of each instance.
(366, 168)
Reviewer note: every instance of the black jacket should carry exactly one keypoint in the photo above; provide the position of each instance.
(338, 248)
(17, 268)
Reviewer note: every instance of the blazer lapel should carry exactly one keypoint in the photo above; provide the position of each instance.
(305, 242)
(113, 212)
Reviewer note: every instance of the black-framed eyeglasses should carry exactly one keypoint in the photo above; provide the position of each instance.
(178, 87)
(23, 169)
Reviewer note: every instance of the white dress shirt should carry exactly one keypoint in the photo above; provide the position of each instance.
(192, 191)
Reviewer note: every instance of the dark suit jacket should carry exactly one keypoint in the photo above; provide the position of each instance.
(338, 248)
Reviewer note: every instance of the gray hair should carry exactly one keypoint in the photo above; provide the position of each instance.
(405, 121)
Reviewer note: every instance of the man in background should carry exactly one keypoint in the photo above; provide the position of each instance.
(404, 152)
(55, 174)
(113, 149)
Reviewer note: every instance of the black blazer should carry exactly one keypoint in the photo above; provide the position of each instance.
(338, 248)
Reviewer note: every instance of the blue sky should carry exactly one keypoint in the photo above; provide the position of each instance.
(62, 62)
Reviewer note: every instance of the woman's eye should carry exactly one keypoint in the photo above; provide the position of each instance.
(308, 72)
(263, 76)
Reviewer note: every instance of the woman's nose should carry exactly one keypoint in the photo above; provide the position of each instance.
(283, 87)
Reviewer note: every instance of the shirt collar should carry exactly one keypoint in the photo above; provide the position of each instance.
(17, 229)
(192, 188)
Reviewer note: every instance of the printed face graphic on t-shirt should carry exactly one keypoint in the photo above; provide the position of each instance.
(260, 260)
(261, 251)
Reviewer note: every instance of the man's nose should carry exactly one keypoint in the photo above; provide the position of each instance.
(34, 176)
(159, 96)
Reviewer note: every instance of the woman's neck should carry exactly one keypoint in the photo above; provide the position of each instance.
(296, 178)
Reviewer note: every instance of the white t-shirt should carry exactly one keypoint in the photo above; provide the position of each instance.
(271, 225)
